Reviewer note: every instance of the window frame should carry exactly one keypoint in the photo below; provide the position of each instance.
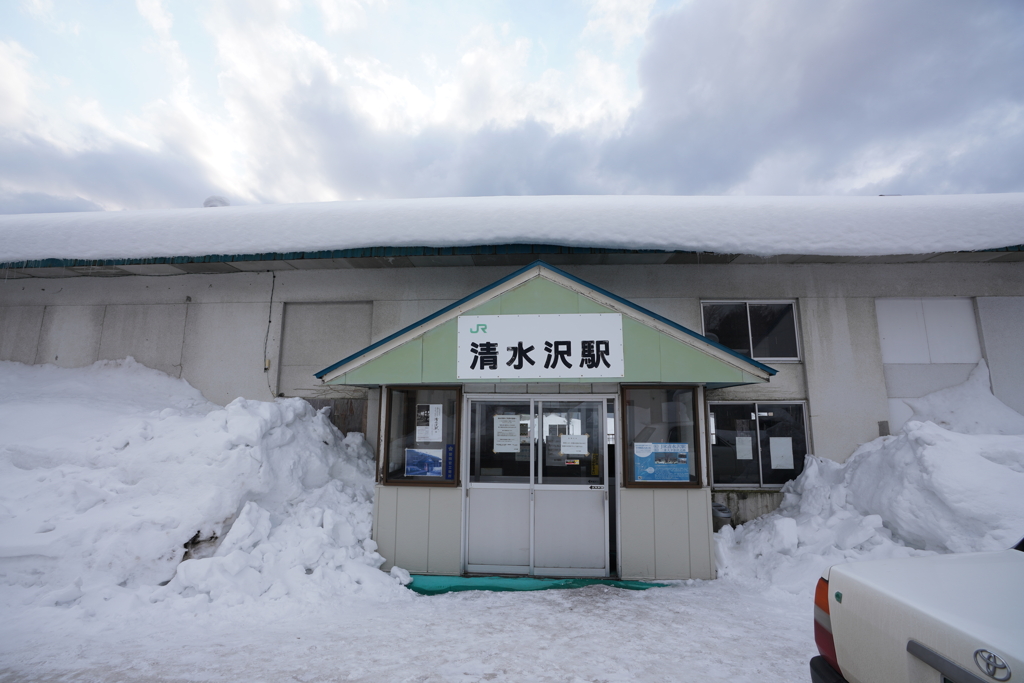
(750, 335)
(760, 486)
(624, 454)
(385, 431)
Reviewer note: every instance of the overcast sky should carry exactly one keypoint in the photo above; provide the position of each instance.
(162, 103)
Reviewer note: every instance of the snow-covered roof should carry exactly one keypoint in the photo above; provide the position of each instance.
(763, 226)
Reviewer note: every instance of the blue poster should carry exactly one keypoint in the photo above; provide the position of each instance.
(449, 462)
(661, 462)
(423, 462)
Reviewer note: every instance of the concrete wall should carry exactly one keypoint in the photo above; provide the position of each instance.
(316, 335)
(219, 331)
(1002, 335)
(747, 505)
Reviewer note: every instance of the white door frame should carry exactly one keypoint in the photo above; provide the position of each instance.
(536, 402)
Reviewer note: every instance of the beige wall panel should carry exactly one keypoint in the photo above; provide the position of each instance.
(152, 334)
(19, 332)
(636, 517)
(698, 503)
(70, 335)
(671, 534)
(412, 528)
(445, 549)
(385, 515)
(223, 351)
(845, 383)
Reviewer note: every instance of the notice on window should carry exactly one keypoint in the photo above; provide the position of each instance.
(661, 462)
(744, 448)
(553, 458)
(506, 434)
(574, 444)
(781, 449)
(424, 462)
(524, 439)
(429, 419)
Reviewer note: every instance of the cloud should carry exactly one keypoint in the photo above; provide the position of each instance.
(39, 202)
(15, 86)
(343, 15)
(621, 20)
(795, 97)
(804, 97)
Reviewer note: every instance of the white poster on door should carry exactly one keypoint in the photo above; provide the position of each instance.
(429, 420)
(744, 448)
(574, 444)
(553, 346)
(506, 434)
(781, 449)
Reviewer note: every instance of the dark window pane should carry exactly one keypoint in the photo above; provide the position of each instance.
(421, 432)
(660, 440)
(727, 325)
(494, 459)
(783, 441)
(735, 451)
(773, 328)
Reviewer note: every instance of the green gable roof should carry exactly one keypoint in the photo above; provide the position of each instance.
(655, 348)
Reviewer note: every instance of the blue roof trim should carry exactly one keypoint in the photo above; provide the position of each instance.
(498, 283)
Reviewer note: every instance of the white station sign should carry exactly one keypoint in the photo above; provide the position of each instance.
(555, 346)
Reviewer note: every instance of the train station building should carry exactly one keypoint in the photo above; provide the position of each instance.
(551, 386)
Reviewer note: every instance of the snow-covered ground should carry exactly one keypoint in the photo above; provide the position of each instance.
(106, 472)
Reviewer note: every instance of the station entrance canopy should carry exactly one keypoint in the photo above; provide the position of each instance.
(541, 324)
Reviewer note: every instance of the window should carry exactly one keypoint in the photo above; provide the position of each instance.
(764, 330)
(563, 436)
(662, 448)
(492, 458)
(422, 436)
(756, 445)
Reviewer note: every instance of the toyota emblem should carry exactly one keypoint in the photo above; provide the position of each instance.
(992, 664)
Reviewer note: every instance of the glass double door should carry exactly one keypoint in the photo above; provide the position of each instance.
(537, 493)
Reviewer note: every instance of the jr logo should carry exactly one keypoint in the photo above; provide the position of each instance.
(479, 328)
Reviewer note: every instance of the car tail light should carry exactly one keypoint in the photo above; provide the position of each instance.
(823, 625)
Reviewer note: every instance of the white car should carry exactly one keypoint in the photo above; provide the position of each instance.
(956, 618)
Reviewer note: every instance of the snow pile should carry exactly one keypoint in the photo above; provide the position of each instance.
(931, 488)
(767, 226)
(111, 475)
(969, 408)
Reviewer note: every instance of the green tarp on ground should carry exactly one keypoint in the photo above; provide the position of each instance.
(435, 585)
